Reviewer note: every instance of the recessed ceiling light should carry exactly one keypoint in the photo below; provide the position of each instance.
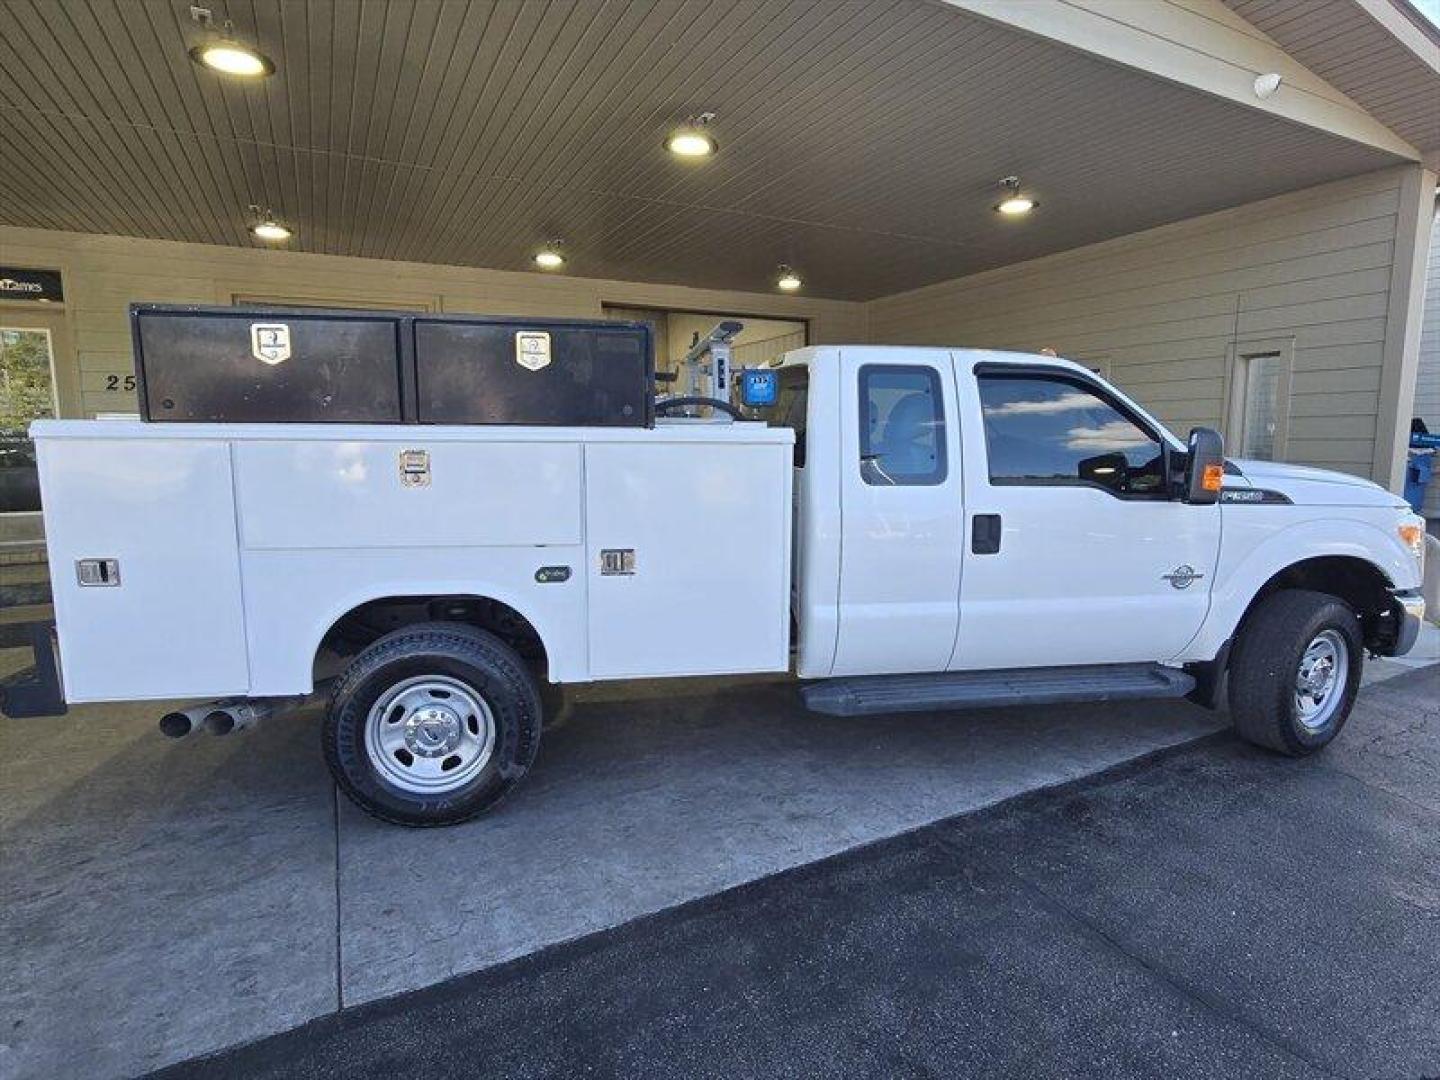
(788, 279)
(1015, 202)
(691, 140)
(268, 227)
(221, 52)
(232, 58)
(549, 257)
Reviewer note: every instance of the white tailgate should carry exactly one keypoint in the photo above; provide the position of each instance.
(710, 529)
(165, 509)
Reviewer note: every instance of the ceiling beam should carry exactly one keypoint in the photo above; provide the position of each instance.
(1201, 44)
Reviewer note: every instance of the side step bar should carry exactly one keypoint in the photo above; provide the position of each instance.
(870, 694)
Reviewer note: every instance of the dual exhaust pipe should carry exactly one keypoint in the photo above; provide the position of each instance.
(224, 717)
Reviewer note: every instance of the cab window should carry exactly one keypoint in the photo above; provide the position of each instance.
(1048, 429)
(902, 426)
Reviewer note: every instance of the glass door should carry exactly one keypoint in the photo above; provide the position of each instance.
(27, 392)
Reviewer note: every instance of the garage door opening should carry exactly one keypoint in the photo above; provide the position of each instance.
(762, 340)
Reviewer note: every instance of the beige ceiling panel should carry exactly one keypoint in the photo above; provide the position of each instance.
(861, 140)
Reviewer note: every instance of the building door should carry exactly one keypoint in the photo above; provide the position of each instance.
(27, 392)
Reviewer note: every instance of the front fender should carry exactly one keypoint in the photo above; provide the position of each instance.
(1244, 569)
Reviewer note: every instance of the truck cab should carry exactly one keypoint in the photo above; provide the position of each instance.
(962, 510)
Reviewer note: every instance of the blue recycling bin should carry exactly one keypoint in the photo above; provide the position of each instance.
(1418, 471)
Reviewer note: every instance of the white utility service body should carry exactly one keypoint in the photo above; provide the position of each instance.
(239, 546)
(965, 526)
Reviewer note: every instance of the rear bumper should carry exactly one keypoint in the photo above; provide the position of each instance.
(35, 691)
(1408, 607)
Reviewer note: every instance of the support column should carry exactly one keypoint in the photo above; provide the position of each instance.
(1401, 355)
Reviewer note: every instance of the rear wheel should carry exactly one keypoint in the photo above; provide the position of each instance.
(432, 724)
(1295, 671)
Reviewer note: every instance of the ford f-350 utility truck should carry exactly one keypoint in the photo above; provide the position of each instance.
(900, 528)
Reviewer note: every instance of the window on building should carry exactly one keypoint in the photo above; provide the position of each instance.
(1043, 429)
(902, 426)
(1259, 395)
(1262, 406)
(27, 392)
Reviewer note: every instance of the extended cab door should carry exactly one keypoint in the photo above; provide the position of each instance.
(901, 514)
(1075, 553)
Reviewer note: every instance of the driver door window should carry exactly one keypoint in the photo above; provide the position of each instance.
(1052, 430)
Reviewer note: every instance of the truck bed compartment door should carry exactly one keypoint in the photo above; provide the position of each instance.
(155, 612)
(688, 557)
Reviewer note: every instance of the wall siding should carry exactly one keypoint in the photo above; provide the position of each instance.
(1427, 383)
(1163, 307)
(104, 274)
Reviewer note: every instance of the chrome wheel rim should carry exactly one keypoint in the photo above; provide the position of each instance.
(1321, 678)
(430, 735)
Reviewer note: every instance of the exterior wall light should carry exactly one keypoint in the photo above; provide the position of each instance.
(221, 52)
(788, 279)
(1015, 202)
(1267, 84)
(549, 257)
(691, 140)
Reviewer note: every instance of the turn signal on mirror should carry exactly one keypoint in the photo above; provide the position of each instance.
(1214, 478)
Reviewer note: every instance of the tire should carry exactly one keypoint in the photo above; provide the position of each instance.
(432, 724)
(1290, 629)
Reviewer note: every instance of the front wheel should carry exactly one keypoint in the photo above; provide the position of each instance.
(432, 724)
(1295, 671)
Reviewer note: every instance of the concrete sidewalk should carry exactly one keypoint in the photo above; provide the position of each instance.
(162, 900)
(1219, 912)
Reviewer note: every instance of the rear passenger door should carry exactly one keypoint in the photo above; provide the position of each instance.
(901, 514)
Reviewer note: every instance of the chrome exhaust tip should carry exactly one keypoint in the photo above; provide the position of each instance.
(182, 722)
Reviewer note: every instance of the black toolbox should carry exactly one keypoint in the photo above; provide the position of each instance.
(314, 365)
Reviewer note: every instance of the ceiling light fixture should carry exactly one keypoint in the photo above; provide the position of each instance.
(1015, 201)
(266, 226)
(691, 140)
(788, 279)
(221, 52)
(549, 257)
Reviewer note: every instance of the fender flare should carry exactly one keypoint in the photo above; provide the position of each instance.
(1237, 587)
(409, 589)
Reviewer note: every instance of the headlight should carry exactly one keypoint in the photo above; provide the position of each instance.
(1411, 531)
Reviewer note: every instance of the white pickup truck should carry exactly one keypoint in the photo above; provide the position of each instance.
(902, 529)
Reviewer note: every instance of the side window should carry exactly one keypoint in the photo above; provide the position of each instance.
(1044, 429)
(791, 402)
(902, 426)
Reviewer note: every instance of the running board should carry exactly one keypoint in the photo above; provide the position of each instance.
(869, 694)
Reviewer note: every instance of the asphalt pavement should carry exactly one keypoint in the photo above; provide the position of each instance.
(1211, 910)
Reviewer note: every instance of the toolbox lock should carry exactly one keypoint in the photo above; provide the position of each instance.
(415, 468)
